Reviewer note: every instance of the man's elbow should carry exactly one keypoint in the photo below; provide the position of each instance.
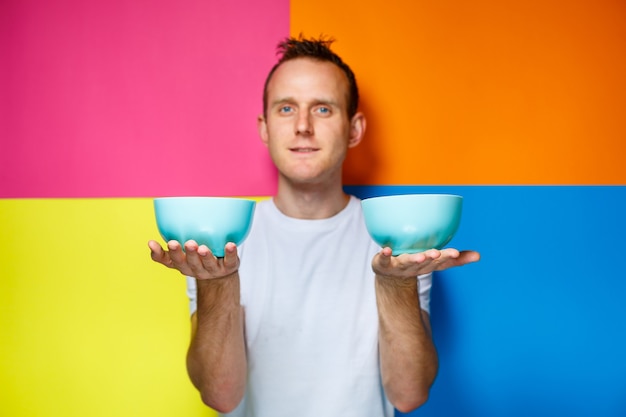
(222, 402)
(408, 403)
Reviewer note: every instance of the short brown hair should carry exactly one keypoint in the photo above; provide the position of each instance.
(318, 49)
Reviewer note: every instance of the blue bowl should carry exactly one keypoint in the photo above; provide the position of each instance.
(210, 221)
(413, 223)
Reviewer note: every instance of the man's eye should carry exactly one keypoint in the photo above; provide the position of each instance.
(285, 109)
(323, 110)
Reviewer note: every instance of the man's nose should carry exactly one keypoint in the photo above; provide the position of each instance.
(303, 124)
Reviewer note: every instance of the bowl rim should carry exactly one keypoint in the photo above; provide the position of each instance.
(390, 196)
(206, 198)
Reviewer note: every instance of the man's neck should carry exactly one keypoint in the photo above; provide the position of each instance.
(310, 201)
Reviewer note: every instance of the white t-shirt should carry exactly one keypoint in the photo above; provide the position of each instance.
(311, 322)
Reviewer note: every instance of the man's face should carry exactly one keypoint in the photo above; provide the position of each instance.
(307, 129)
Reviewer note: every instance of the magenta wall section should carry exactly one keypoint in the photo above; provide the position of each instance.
(122, 98)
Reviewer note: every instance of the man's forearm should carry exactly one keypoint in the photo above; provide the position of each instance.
(408, 356)
(216, 360)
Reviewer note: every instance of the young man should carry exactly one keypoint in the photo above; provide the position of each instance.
(309, 317)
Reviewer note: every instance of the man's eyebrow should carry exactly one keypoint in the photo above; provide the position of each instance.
(327, 102)
(282, 100)
(314, 102)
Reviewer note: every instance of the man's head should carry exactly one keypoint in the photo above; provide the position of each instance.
(316, 49)
(307, 124)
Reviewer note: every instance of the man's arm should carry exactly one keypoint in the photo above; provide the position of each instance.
(216, 359)
(408, 357)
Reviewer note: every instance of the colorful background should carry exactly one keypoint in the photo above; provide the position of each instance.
(518, 106)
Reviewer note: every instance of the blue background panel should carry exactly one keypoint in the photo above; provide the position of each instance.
(538, 326)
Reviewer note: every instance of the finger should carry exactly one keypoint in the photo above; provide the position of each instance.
(384, 257)
(209, 261)
(176, 254)
(158, 254)
(382, 260)
(450, 253)
(156, 251)
(203, 251)
(154, 246)
(464, 258)
(173, 245)
(230, 256)
(432, 254)
(194, 260)
(469, 256)
(412, 258)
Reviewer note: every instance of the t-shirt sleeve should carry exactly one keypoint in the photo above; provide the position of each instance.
(425, 283)
(192, 293)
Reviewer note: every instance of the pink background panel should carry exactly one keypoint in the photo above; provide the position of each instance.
(135, 98)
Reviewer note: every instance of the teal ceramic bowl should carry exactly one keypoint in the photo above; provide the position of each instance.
(210, 221)
(413, 223)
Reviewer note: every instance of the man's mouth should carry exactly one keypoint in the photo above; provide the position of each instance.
(303, 150)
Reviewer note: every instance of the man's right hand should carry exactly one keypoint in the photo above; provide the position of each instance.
(196, 260)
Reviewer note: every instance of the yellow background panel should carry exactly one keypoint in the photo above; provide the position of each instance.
(90, 325)
(482, 92)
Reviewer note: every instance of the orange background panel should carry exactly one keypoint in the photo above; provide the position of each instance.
(483, 92)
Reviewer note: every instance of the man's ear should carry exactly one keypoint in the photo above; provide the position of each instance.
(357, 129)
(262, 127)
